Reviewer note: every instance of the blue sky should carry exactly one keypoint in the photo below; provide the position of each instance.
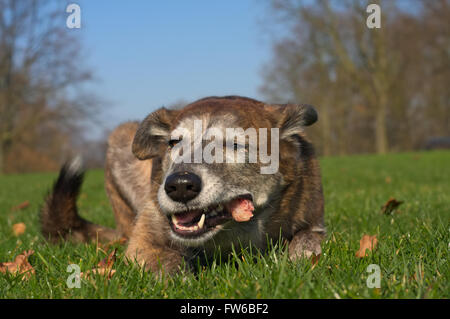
(147, 54)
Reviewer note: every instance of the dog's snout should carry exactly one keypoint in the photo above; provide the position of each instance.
(183, 186)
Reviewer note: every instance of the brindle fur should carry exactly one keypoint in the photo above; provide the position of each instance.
(288, 203)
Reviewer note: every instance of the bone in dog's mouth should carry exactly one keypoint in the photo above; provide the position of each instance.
(193, 223)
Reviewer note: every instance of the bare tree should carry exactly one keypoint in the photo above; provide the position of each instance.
(42, 77)
(368, 83)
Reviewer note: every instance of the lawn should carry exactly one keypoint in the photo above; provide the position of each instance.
(412, 250)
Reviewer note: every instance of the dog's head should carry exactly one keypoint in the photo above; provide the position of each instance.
(221, 162)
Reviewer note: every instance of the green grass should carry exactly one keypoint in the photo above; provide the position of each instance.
(412, 241)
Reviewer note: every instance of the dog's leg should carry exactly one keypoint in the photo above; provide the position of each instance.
(305, 243)
(155, 258)
(149, 248)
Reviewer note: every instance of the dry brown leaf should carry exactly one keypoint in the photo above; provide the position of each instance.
(20, 265)
(19, 229)
(366, 242)
(108, 261)
(390, 206)
(100, 271)
(23, 205)
(104, 267)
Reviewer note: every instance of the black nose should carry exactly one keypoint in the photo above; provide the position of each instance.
(183, 186)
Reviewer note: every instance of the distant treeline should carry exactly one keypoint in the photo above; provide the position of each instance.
(376, 90)
(43, 96)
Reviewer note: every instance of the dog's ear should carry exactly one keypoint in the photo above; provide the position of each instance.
(153, 134)
(294, 117)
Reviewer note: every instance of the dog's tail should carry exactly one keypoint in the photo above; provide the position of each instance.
(59, 215)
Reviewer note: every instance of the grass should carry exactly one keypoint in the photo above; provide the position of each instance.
(412, 251)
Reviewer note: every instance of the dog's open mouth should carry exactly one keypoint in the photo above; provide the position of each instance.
(193, 223)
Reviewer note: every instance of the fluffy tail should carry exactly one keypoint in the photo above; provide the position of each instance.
(59, 215)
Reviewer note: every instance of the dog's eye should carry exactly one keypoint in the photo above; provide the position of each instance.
(172, 143)
(237, 146)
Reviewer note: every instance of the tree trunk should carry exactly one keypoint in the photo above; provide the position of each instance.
(381, 141)
(1, 159)
(326, 129)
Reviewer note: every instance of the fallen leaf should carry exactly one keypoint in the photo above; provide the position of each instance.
(20, 265)
(99, 271)
(366, 242)
(23, 205)
(19, 229)
(104, 267)
(108, 261)
(390, 206)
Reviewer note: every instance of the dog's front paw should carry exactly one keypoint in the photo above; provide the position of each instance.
(155, 259)
(304, 244)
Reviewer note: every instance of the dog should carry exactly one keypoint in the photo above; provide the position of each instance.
(169, 210)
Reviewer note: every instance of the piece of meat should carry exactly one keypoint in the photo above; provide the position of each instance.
(241, 209)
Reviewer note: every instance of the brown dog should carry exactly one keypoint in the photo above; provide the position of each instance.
(170, 209)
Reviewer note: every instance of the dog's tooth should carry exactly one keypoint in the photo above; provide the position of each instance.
(201, 222)
(174, 219)
(191, 228)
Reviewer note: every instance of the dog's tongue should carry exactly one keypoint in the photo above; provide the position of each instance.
(241, 209)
